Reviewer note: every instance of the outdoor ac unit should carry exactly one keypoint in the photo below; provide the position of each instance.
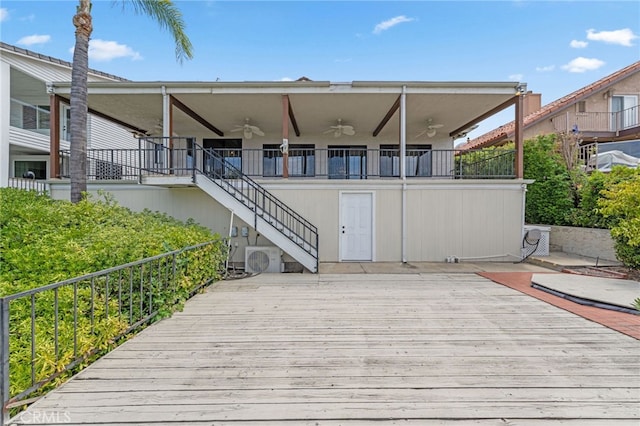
(543, 244)
(262, 259)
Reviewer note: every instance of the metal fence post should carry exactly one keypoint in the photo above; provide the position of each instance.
(4, 360)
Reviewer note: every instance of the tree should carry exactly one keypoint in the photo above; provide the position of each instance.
(168, 17)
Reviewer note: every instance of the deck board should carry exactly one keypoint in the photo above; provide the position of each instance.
(329, 349)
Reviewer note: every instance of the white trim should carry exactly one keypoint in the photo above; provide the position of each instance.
(373, 224)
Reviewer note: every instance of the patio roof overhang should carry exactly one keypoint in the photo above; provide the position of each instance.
(314, 105)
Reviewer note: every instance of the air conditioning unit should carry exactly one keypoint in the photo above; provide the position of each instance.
(542, 248)
(262, 259)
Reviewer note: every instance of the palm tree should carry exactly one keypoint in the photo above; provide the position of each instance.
(168, 17)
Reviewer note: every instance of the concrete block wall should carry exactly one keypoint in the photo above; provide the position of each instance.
(590, 242)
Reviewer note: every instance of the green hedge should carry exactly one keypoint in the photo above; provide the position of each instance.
(43, 241)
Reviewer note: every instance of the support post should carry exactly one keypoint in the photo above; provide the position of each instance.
(285, 136)
(518, 136)
(54, 137)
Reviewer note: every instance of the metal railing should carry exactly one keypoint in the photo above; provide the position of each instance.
(106, 164)
(597, 121)
(486, 164)
(50, 330)
(39, 186)
(188, 159)
(363, 163)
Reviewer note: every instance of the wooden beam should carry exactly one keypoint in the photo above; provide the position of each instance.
(504, 105)
(518, 137)
(387, 117)
(54, 136)
(292, 118)
(109, 118)
(191, 113)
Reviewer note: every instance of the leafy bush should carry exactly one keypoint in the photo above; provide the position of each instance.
(45, 241)
(621, 203)
(588, 214)
(549, 199)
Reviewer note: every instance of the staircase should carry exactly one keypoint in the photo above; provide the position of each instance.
(256, 206)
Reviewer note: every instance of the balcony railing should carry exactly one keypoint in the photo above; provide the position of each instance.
(597, 121)
(320, 163)
(106, 164)
(362, 163)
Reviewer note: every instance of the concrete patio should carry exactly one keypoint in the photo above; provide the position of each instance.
(337, 349)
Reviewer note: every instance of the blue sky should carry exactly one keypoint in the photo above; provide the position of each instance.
(556, 47)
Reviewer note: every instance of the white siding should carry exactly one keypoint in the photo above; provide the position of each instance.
(105, 135)
(470, 220)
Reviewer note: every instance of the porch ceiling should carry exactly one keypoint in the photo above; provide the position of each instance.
(316, 105)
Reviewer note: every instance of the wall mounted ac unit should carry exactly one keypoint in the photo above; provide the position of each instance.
(262, 259)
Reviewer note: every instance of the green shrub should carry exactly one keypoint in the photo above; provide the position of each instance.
(43, 241)
(549, 200)
(588, 214)
(621, 204)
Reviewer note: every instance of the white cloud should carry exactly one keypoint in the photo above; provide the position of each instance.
(622, 37)
(102, 50)
(546, 68)
(578, 44)
(581, 64)
(385, 25)
(285, 79)
(516, 77)
(4, 14)
(34, 39)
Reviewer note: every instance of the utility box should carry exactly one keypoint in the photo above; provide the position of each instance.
(543, 243)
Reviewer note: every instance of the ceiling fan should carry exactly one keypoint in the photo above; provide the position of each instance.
(340, 129)
(431, 129)
(247, 129)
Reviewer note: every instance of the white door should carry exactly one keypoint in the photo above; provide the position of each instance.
(356, 226)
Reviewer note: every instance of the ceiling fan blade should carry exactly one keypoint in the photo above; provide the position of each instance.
(436, 126)
(258, 132)
(348, 130)
(421, 133)
(329, 131)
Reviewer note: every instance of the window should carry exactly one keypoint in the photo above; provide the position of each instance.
(581, 107)
(35, 117)
(347, 162)
(39, 168)
(301, 160)
(418, 160)
(624, 111)
(231, 152)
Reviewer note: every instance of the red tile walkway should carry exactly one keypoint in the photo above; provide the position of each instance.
(624, 323)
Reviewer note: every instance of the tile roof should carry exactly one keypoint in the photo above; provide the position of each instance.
(506, 130)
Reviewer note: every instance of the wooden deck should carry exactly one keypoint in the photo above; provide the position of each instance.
(301, 349)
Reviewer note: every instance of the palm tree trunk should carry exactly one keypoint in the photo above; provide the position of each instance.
(79, 101)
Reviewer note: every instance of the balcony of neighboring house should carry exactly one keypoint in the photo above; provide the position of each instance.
(598, 124)
(154, 158)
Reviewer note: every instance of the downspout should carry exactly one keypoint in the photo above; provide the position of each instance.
(165, 128)
(403, 170)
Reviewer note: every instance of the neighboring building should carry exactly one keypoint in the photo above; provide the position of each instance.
(604, 111)
(312, 171)
(25, 135)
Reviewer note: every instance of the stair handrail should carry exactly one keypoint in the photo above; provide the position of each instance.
(225, 173)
